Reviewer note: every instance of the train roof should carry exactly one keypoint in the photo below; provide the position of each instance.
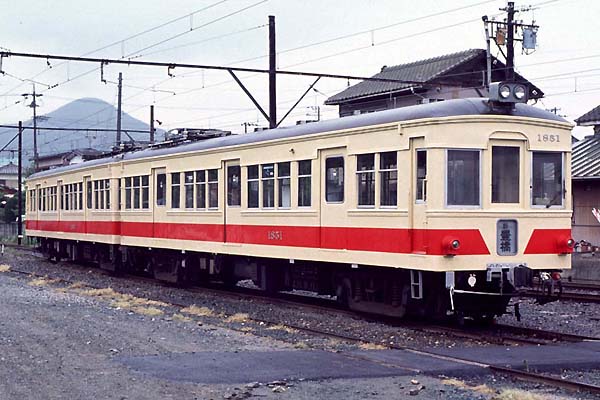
(449, 108)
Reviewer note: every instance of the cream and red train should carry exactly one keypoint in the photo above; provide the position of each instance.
(450, 206)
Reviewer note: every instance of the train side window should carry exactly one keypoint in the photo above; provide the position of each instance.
(107, 194)
(213, 188)
(89, 195)
(334, 180)
(253, 184)
(189, 189)
(462, 184)
(201, 189)
(175, 190)
(128, 193)
(505, 174)
(547, 184)
(284, 185)
(161, 189)
(137, 188)
(96, 194)
(268, 185)
(388, 170)
(145, 191)
(421, 189)
(234, 188)
(365, 171)
(80, 192)
(304, 183)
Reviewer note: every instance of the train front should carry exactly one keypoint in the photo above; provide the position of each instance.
(505, 220)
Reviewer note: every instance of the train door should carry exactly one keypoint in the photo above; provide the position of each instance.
(233, 201)
(333, 200)
(159, 197)
(418, 196)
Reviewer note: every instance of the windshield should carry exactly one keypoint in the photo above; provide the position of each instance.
(547, 179)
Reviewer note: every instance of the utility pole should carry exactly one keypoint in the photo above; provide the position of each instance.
(20, 184)
(272, 75)
(510, 48)
(152, 124)
(503, 34)
(119, 110)
(34, 106)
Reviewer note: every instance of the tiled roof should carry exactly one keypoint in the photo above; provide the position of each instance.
(425, 71)
(9, 169)
(585, 158)
(591, 117)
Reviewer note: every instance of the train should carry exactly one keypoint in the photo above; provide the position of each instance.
(447, 208)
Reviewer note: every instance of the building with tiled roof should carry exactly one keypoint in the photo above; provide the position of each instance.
(9, 175)
(585, 176)
(451, 76)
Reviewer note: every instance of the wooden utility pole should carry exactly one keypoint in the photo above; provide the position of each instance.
(152, 123)
(20, 185)
(510, 43)
(119, 110)
(272, 75)
(34, 106)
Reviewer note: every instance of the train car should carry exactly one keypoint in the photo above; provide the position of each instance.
(442, 208)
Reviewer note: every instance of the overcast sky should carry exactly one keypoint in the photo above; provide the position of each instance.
(234, 33)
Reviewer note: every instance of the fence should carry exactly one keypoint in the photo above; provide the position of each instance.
(8, 230)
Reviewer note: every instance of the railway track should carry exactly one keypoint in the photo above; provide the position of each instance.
(531, 336)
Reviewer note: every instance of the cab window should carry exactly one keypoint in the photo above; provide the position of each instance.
(505, 174)
(462, 184)
(334, 182)
(547, 185)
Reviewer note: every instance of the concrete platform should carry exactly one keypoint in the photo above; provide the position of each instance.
(250, 366)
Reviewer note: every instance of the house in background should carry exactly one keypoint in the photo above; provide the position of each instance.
(69, 157)
(9, 175)
(585, 175)
(452, 76)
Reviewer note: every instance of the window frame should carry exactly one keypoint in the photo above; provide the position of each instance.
(172, 186)
(343, 180)
(460, 206)
(256, 180)
(366, 172)
(562, 204)
(209, 184)
(379, 178)
(264, 180)
(423, 200)
(278, 183)
(233, 189)
(298, 180)
(519, 154)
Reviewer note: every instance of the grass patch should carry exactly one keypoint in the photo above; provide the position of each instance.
(44, 281)
(181, 318)
(198, 311)
(481, 389)
(238, 317)
(280, 327)
(149, 311)
(4, 268)
(516, 394)
(371, 346)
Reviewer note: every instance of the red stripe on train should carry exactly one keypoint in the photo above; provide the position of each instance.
(549, 241)
(385, 240)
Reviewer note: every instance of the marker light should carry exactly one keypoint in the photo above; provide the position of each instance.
(519, 92)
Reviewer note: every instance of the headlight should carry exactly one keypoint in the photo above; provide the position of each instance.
(519, 92)
(504, 91)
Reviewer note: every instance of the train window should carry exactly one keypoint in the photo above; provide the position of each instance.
(107, 194)
(189, 189)
(201, 189)
(161, 189)
(304, 183)
(365, 171)
(268, 185)
(505, 174)
(284, 190)
(388, 170)
(547, 186)
(89, 195)
(253, 184)
(334, 180)
(145, 191)
(80, 191)
(213, 188)
(175, 190)
(67, 197)
(136, 192)
(96, 193)
(40, 200)
(462, 183)
(128, 193)
(421, 189)
(234, 188)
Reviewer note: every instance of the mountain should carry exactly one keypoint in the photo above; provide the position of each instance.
(85, 113)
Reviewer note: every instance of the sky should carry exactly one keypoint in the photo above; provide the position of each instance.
(353, 37)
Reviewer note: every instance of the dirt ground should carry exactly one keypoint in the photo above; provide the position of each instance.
(71, 342)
